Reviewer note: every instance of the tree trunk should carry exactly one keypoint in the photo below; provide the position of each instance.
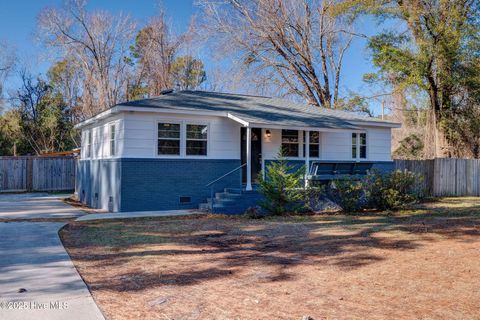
(442, 147)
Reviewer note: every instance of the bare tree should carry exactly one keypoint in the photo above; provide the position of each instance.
(296, 44)
(7, 62)
(155, 49)
(65, 78)
(99, 42)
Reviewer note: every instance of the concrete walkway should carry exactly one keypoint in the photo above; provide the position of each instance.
(37, 277)
(34, 206)
(139, 214)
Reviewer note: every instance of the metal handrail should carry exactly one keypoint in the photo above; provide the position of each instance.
(210, 184)
(226, 174)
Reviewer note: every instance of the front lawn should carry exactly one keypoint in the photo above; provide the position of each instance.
(421, 263)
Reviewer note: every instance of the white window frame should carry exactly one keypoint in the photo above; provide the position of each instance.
(112, 142)
(88, 144)
(299, 143)
(180, 139)
(358, 145)
(183, 138)
(187, 123)
(304, 149)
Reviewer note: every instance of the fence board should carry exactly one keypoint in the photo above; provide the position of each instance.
(13, 174)
(446, 177)
(425, 168)
(37, 173)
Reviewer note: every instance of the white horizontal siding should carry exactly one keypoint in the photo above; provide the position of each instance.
(335, 145)
(100, 131)
(137, 138)
(141, 134)
(380, 142)
(271, 146)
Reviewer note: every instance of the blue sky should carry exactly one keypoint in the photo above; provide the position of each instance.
(18, 22)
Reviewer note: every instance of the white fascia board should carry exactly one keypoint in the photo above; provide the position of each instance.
(120, 108)
(377, 124)
(237, 119)
(171, 110)
(96, 118)
(290, 127)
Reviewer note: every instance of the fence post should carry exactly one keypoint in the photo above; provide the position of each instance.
(29, 174)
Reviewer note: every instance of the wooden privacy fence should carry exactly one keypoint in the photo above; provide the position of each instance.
(446, 177)
(37, 173)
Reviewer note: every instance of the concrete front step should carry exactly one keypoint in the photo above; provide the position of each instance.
(225, 195)
(232, 201)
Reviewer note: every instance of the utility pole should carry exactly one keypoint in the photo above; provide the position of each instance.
(383, 109)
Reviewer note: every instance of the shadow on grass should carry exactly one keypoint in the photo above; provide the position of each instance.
(231, 244)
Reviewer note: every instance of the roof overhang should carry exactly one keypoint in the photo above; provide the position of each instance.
(385, 124)
(120, 108)
(102, 115)
(303, 128)
(355, 125)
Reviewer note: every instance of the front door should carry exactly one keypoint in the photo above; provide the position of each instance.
(256, 154)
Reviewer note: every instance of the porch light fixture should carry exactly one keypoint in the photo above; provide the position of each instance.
(268, 134)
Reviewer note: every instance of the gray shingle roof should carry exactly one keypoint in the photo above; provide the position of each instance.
(258, 110)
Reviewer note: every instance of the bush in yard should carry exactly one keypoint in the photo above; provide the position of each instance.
(348, 193)
(282, 187)
(391, 190)
(314, 197)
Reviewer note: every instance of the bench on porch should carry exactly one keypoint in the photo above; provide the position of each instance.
(326, 170)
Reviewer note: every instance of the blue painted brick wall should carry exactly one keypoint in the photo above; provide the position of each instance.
(98, 183)
(158, 184)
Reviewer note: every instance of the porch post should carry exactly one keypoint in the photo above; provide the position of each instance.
(307, 155)
(249, 159)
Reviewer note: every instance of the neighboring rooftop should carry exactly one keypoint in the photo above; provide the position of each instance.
(258, 110)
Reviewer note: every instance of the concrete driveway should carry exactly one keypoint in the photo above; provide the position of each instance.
(37, 277)
(35, 205)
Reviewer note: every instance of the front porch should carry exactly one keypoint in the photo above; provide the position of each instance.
(302, 146)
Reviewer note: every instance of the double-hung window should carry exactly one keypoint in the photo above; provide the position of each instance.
(290, 143)
(359, 145)
(168, 139)
(182, 139)
(197, 136)
(314, 144)
(112, 140)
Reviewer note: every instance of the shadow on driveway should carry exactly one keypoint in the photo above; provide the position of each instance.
(33, 260)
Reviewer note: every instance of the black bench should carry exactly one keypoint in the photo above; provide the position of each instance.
(324, 171)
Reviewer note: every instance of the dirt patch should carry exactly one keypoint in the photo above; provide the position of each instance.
(421, 263)
(73, 201)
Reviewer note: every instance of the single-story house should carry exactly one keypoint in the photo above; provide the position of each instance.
(170, 152)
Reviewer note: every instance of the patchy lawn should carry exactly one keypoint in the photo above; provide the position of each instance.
(422, 263)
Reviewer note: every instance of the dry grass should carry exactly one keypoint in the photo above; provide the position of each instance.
(422, 263)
